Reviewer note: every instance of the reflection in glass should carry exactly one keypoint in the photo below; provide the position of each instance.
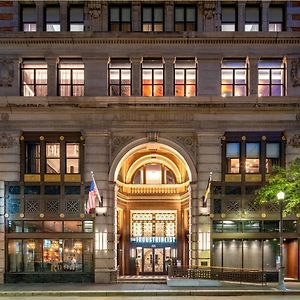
(52, 226)
(15, 263)
(32, 255)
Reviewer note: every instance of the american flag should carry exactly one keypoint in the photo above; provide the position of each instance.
(93, 195)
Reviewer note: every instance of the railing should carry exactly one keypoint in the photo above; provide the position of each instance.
(224, 274)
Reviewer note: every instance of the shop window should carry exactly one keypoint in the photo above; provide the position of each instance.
(14, 226)
(32, 255)
(33, 226)
(88, 226)
(72, 226)
(52, 18)
(119, 77)
(71, 79)
(13, 200)
(120, 18)
(32, 158)
(271, 77)
(185, 18)
(252, 19)
(72, 189)
(34, 78)
(217, 226)
(271, 226)
(272, 156)
(52, 226)
(76, 18)
(32, 189)
(276, 18)
(233, 157)
(185, 77)
(88, 261)
(72, 158)
(228, 18)
(252, 226)
(28, 18)
(234, 75)
(52, 255)
(53, 158)
(152, 18)
(232, 226)
(152, 77)
(15, 257)
(252, 158)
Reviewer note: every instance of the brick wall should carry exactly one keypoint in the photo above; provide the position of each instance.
(7, 16)
(295, 15)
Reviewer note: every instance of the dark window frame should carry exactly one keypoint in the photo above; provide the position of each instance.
(185, 23)
(51, 23)
(22, 23)
(283, 23)
(259, 23)
(70, 22)
(235, 23)
(120, 24)
(153, 23)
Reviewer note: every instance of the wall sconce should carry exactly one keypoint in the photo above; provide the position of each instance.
(204, 241)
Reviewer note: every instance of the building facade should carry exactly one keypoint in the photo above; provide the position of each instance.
(152, 96)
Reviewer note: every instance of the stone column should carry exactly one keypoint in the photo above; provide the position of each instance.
(104, 17)
(136, 81)
(253, 80)
(169, 17)
(136, 16)
(169, 76)
(95, 76)
(241, 16)
(265, 16)
(64, 16)
(52, 76)
(40, 16)
(209, 76)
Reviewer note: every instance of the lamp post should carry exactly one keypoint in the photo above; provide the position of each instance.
(281, 284)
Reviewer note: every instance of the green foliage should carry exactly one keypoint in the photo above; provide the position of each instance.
(285, 180)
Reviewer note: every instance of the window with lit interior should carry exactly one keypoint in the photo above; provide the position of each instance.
(76, 18)
(234, 75)
(252, 162)
(233, 153)
(152, 77)
(34, 78)
(119, 77)
(28, 18)
(53, 158)
(185, 77)
(272, 156)
(120, 18)
(271, 77)
(185, 18)
(72, 158)
(152, 18)
(52, 18)
(228, 18)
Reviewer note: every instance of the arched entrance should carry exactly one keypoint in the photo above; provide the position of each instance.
(153, 209)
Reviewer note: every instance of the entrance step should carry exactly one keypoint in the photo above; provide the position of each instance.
(142, 279)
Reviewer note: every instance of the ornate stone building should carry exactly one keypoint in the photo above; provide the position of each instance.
(151, 96)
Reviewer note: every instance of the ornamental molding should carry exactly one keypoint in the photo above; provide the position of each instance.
(118, 142)
(295, 72)
(295, 141)
(6, 73)
(209, 10)
(95, 9)
(6, 140)
(152, 136)
(188, 142)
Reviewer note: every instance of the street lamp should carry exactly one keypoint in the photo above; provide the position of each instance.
(281, 284)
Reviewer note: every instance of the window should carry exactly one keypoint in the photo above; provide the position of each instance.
(119, 78)
(71, 79)
(271, 77)
(252, 158)
(272, 156)
(76, 18)
(72, 158)
(52, 18)
(53, 158)
(185, 77)
(152, 77)
(233, 157)
(185, 18)
(120, 18)
(229, 18)
(152, 18)
(32, 158)
(28, 21)
(34, 78)
(276, 18)
(252, 21)
(234, 77)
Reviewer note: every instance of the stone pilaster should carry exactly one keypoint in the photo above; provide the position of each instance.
(253, 73)
(136, 16)
(169, 76)
(241, 16)
(136, 80)
(265, 16)
(64, 16)
(52, 76)
(40, 16)
(169, 16)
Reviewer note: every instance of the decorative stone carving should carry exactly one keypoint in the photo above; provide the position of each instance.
(152, 136)
(119, 141)
(295, 72)
(95, 9)
(209, 9)
(6, 72)
(189, 143)
(295, 141)
(6, 140)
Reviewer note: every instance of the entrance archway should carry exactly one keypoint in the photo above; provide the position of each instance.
(153, 207)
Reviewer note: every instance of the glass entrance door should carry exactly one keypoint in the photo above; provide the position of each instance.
(153, 260)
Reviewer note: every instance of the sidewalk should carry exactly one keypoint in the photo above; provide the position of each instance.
(138, 289)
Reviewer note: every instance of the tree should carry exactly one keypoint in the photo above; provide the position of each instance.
(286, 180)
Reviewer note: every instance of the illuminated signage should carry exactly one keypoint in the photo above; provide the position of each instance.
(153, 239)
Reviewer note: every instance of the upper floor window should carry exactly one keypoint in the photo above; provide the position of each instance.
(72, 158)
(252, 20)
(271, 77)
(233, 153)
(53, 158)
(120, 18)
(252, 162)
(185, 77)
(34, 78)
(234, 77)
(32, 158)
(52, 18)
(119, 77)
(28, 20)
(276, 18)
(152, 18)
(273, 154)
(185, 18)
(71, 78)
(152, 77)
(229, 18)
(76, 18)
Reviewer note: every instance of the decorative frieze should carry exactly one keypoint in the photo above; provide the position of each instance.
(295, 72)
(295, 141)
(152, 136)
(209, 9)
(95, 9)
(6, 140)
(6, 73)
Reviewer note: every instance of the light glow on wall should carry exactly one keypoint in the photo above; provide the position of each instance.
(101, 240)
(204, 241)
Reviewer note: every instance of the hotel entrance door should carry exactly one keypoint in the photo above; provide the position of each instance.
(153, 260)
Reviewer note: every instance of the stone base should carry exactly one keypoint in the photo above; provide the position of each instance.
(105, 276)
(192, 282)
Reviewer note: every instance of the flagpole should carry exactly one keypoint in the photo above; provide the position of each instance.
(97, 191)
